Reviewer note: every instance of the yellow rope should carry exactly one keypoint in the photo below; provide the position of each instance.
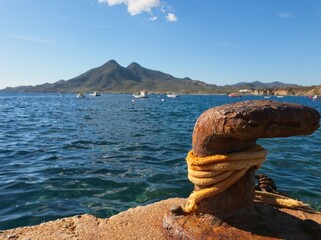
(217, 173)
(282, 201)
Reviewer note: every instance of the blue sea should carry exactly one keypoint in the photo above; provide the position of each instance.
(62, 156)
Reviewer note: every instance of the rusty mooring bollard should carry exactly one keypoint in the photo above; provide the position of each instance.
(233, 128)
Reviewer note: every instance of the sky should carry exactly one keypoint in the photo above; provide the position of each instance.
(216, 41)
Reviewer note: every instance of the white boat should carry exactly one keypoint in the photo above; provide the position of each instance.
(95, 94)
(81, 95)
(142, 94)
(171, 95)
(316, 97)
(236, 95)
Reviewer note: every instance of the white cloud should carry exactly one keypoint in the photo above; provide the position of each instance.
(153, 18)
(135, 7)
(171, 17)
(286, 15)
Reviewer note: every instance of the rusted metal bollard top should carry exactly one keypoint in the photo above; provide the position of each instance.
(234, 127)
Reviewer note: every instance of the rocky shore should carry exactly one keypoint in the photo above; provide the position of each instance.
(299, 91)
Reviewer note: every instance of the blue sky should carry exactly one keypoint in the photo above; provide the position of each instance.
(216, 41)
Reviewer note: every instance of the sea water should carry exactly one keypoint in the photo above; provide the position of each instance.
(62, 156)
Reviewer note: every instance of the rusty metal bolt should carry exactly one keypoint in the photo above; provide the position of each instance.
(265, 184)
(234, 127)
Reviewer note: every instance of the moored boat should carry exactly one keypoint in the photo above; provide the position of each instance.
(234, 95)
(171, 95)
(81, 95)
(95, 94)
(141, 94)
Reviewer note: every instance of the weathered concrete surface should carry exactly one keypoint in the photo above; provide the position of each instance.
(137, 223)
(146, 223)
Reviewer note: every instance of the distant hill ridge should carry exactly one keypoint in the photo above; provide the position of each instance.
(112, 77)
(258, 84)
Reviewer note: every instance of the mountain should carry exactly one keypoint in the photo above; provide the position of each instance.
(111, 77)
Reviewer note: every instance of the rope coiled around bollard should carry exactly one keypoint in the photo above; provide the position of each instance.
(216, 173)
